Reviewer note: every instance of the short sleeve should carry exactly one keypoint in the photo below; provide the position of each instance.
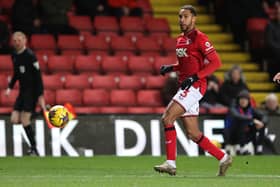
(205, 46)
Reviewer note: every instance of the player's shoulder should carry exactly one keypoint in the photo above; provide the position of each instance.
(29, 52)
(201, 35)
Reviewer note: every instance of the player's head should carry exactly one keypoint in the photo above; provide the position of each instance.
(187, 17)
(19, 40)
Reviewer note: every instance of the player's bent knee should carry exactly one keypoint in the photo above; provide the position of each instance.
(193, 135)
(167, 120)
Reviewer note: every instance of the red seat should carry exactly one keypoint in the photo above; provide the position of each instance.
(77, 82)
(6, 64)
(131, 24)
(96, 97)
(43, 62)
(114, 65)
(104, 82)
(69, 42)
(148, 45)
(87, 110)
(123, 44)
(105, 23)
(160, 60)
(52, 82)
(123, 98)
(131, 82)
(140, 110)
(8, 101)
(155, 82)
(72, 96)
(3, 81)
(113, 110)
(97, 43)
(43, 41)
(88, 64)
(81, 23)
(169, 45)
(157, 25)
(60, 64)
(149, 98)
(140, 65)
(218, 110)
(49, 96)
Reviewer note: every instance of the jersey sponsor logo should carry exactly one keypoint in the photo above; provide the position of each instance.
(181, 52)
(22, 69)
(208, 46)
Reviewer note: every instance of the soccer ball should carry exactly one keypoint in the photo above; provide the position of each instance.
(58, 116)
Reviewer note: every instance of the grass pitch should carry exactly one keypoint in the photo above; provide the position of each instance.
(255, 171)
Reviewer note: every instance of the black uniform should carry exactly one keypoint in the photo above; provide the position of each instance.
(27, 71)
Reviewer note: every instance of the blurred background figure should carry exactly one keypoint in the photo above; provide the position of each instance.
(4, 38)
(54, 16)
(233, 84)
(121, 8)
(26, 16)
(272, 40)
(271, 105)
(212, 97)
(244, 127)
(92, 8)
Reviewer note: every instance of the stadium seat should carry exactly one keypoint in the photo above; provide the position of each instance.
(42, 42)
(6, 65)
(3, 81)
(157, 25)
(97, 43)
(218, 110)
(147, 45)
(49, 96)
(155, 82)
(81, 23)
(122, 44)
(43, 62)
(71, 43)
(77, 82)
(140, 110)
(169, 45)
(149, 98)
(60, 64)
(131, 24)
(114, 65)
(140, 65)
(123, 98)
(87, 110)
(159, 110)
(53, 82)
(160, 60)
(105, 82)
(113, 110)
(10, 100)
(96, 97)
(87, 64)
(131, 82)
(105, 24)
(72, 96)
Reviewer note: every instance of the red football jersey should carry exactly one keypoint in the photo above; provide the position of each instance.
(196, 55)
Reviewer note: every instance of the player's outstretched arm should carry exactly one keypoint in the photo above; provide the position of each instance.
(276, 78)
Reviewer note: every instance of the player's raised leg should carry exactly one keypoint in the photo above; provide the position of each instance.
(193, 132)
(173, 111)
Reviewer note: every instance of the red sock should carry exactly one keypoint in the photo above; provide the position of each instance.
(208, 146)
(170, 142)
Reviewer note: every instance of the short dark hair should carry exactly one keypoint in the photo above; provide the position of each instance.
(190, 8)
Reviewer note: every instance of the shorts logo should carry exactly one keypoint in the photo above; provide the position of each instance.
(181, 52)
(183, 94)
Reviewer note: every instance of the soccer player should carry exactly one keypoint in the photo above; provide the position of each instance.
(197, 59)
(26, 70)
